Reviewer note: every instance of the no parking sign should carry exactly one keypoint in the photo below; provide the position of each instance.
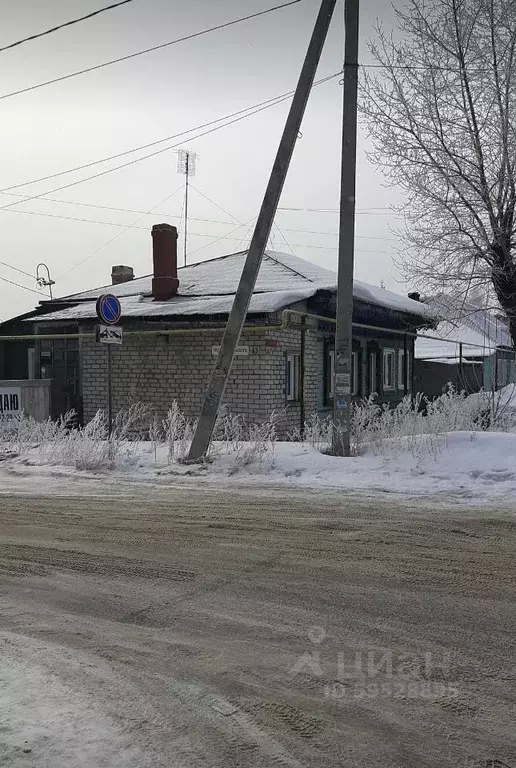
(108, 309)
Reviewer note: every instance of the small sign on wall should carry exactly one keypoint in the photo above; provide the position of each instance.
(239, 352)
(110, 334)
(10, 403)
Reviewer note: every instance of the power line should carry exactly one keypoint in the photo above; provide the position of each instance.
(173, 216)
(148, 50)
(18, 285)
(271, 102)
(364, 211)
(118, 234)
(66, 24)
(159, 151)
(202, 194)
(27, 274)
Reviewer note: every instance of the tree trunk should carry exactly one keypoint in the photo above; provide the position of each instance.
(503, 276)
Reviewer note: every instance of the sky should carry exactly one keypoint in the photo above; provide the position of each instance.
(101, 113)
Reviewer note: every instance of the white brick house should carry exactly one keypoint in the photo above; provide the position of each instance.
(173, 321)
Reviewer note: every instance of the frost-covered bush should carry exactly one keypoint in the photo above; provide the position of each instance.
(179, 430)
(58, 443)
(259, 445)
(317, 432)
(423, 422)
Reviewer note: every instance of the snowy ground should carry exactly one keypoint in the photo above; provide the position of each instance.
(476, 466)
(197, 628)
(45, 721)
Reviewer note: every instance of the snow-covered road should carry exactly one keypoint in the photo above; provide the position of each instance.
(187, 628)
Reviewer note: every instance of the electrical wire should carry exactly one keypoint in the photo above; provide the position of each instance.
(147, 50)
(272, 102)
(66, 24)
(170, 216)
(27, 274)
(364, 212)
(157, 152)
(222, 237)
(18, 285)
(198, 234)
(118, 234)
(202, 194)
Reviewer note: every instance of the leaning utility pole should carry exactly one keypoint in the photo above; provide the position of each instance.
(344, 329)
(220, 374)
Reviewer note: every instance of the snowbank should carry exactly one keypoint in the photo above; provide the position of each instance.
(478, 467)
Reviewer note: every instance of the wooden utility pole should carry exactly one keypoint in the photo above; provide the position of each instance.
(219, 377)
(344, 328)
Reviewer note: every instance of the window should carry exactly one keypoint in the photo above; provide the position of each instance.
(355, 373)
(293, 367)
(401, 369)
(373, 380)
(389, 357)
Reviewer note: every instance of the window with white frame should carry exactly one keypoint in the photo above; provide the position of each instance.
(373, 382)
(293, 368)
(355, 373)
(389, 361)
(401, 369)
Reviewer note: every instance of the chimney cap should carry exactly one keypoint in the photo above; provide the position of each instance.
(164, 227)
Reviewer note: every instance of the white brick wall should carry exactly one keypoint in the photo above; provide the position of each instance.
(159, 369)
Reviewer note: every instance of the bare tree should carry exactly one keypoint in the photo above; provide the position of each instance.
(440, 106)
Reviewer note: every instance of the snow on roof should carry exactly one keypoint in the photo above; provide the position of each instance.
(479, 331)
(208, 288)
(473, 343)
(145, 306)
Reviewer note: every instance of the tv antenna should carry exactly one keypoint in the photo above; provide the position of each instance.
(186, 165)
(44, 282)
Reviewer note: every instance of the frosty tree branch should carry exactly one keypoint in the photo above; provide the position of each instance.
(441, 111)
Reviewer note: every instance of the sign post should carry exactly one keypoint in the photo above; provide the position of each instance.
(109, 312)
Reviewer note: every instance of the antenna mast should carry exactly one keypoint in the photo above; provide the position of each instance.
(186, 165)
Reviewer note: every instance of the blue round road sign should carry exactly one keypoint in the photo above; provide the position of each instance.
(108, 309)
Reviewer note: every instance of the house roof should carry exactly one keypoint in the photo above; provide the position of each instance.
(478, 330)
(208, 288)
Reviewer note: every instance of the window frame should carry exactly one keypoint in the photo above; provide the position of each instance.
(293, 386)
(389, 352)
(373, 371)
(401, 370)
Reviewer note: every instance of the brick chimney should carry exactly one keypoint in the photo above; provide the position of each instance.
(164, 254)
(121, 274)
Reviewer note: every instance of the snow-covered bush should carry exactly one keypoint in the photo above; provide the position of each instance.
(179, 430)
(230, 430)
(259, 445)
(88, 448)
(416, 425)
(317, 432)
(422, 422)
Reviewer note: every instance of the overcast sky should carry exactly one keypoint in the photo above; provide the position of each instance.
(153, 96)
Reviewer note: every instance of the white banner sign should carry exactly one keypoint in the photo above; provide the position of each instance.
(109, 334)
(10, 403)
